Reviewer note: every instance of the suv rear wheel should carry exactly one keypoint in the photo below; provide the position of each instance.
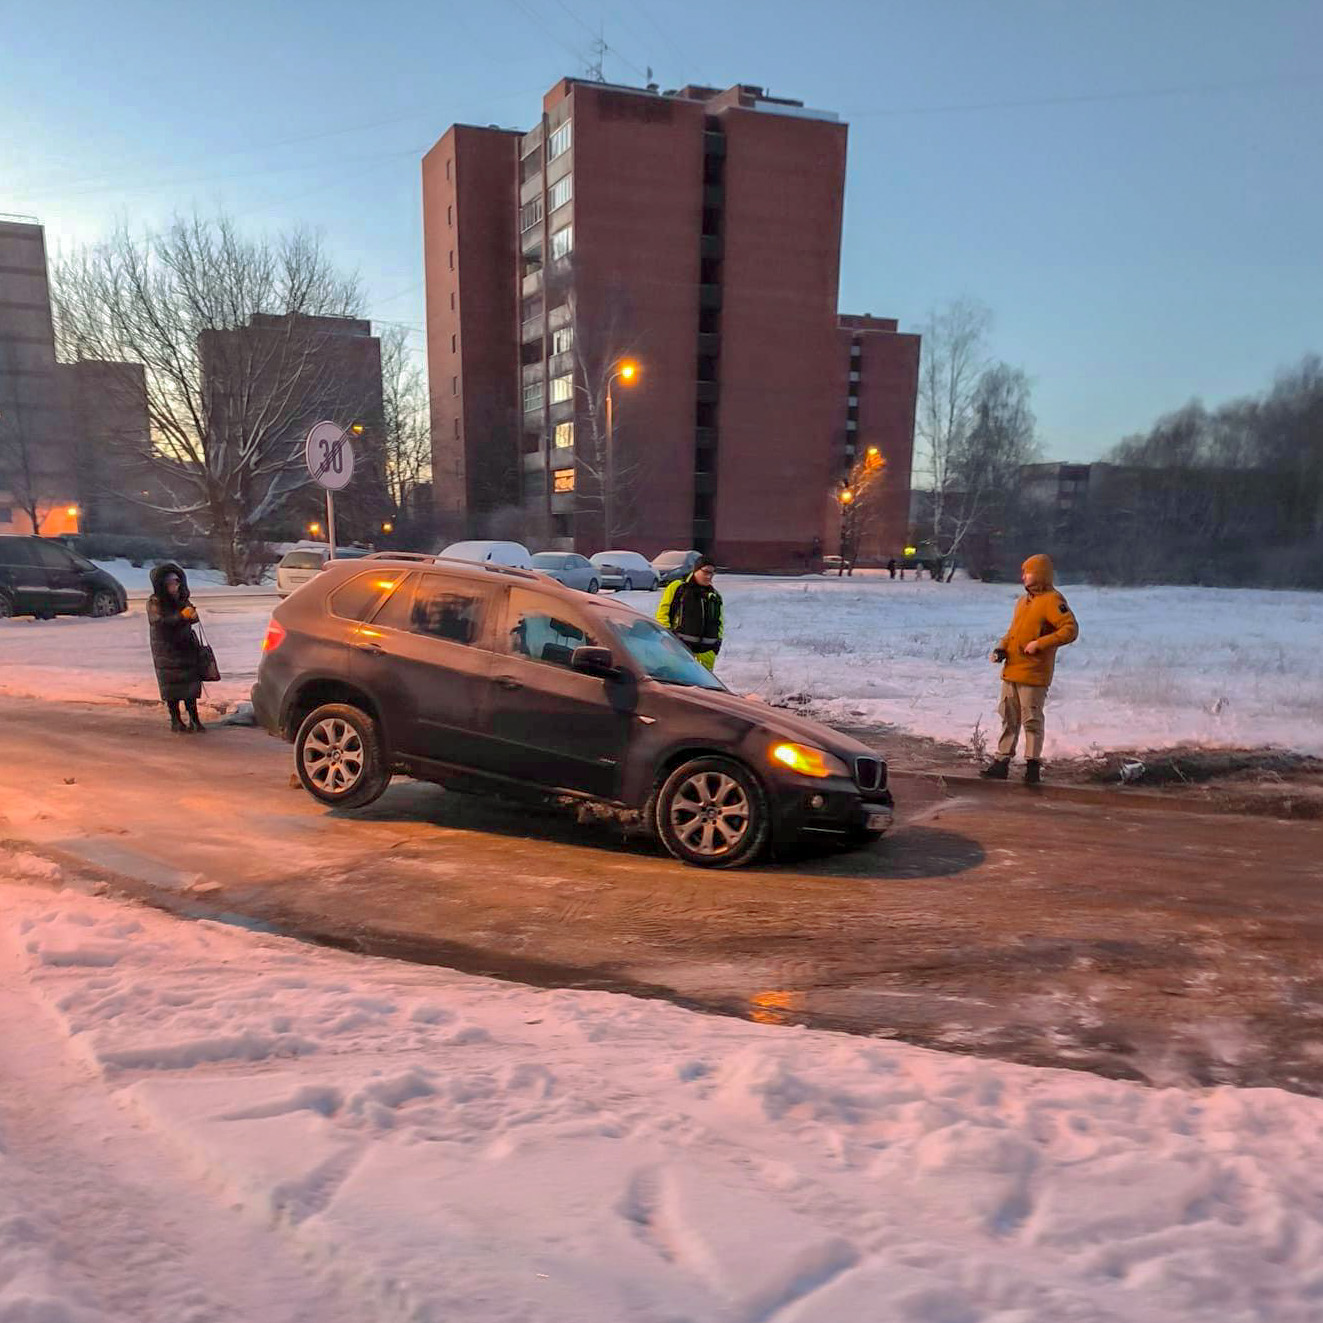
(712, 813)
(339, 757)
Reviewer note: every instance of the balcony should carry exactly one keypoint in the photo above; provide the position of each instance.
(712, 247)
(707, 392)
(534, 461)
(532, 283)
(562, 503)
(709, 297)
(704, 530)
(705, 483)
(709, 344)
(561, 365)
(532, 374)
(530, 330)
(714, 195)
(714, 144)
(705, 438)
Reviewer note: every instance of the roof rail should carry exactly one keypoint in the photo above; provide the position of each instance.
(398, 555)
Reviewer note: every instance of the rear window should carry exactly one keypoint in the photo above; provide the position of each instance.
(355, 600)
(301, 560)
(669, 560)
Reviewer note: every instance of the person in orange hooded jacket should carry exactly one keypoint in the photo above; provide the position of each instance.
(1042, 623)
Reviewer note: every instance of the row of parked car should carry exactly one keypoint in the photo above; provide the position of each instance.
(623, 571)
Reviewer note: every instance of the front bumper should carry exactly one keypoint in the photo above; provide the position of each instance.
(830, 807)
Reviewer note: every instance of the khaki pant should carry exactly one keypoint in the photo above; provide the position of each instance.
(1021, 705)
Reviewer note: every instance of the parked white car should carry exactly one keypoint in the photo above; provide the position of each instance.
(625, 570)
(673, 565)
(296, 567)
(569, 568)
(513, 554)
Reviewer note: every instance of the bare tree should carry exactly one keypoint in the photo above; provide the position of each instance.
(234, 369)
(600, 338)
(20, 473)
(406, 431)
(954, 359)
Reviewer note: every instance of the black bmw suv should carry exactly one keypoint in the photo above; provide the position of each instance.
(41, 577)
(484, 675)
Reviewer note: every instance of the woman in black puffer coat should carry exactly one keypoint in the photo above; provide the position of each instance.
(171, 617)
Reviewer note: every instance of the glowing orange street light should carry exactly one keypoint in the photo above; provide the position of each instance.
(315, 529)
(388, 527)
(846, 496)
(626, 370)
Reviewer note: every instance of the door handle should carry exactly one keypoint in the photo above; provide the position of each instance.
(372, 649)
(506, 682)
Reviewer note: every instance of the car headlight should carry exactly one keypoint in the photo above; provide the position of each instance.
(807, 761)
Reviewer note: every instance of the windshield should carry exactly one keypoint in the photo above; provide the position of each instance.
(669, 559)
(546, 561)
(661, 655)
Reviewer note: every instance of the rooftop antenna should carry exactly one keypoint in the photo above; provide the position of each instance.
(597, 53)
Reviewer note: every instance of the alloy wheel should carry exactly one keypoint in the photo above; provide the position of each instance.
(104, 604)
(710, 814)
(333, 756)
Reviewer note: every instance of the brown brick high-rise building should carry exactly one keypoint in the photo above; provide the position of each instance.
(697, 233)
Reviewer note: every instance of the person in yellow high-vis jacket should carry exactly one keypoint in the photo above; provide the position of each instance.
(691, 609)
(1042, 623)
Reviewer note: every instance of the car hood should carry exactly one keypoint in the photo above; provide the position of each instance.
(778, 723)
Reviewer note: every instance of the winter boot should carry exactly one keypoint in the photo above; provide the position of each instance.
(997, 770)
(1033, 772)
(195, 727)
(178, 726)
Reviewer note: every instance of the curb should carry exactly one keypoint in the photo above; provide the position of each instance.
(1145, 800)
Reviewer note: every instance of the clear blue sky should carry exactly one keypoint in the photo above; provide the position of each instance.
(1133, 186)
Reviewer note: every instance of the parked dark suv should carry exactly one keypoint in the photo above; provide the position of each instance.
(481, 675)
(42, 577)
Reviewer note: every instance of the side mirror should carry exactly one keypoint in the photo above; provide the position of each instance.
(595, 661)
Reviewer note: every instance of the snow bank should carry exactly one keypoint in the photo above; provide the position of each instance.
(1153, 667)
(451, 1147)
(138, 578)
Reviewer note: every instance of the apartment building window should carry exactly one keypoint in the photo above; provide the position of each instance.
(450, 216)
(447, 169)
(533, 396)
(854, 376)
(454, 343)
(562, 340)
(456, 429)
(454, 385)
(562, 243)
(562, 480)
(560, 192)
(562, 389)
(530, 214)
(452, 300)
(560, 142)
(452, 259)
(563, 438)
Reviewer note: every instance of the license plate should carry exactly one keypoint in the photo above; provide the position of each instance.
(879, 820)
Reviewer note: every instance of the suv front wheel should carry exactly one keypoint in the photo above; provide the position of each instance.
(339, 756)
(712, 813)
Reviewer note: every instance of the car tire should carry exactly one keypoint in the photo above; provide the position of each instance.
(627, 586)
(594, 586)
(103, 603)
(339, 757)
(711, 812)
(6, 607)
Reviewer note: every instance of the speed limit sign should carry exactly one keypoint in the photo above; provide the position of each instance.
(330, 456)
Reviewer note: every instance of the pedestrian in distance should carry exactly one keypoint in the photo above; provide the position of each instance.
(176, 651)
(891, 567)
(691, 609)
(1041, 623)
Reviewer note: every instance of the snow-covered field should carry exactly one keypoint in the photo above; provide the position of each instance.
(1153, 667)
(200, 1123)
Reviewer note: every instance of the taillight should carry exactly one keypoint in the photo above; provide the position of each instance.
(275, 636)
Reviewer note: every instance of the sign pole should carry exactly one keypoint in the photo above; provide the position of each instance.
(330, 523)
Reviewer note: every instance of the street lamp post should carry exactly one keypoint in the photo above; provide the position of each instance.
(846, 497)
(626, 370)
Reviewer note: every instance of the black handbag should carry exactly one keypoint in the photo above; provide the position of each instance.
(208, 671)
